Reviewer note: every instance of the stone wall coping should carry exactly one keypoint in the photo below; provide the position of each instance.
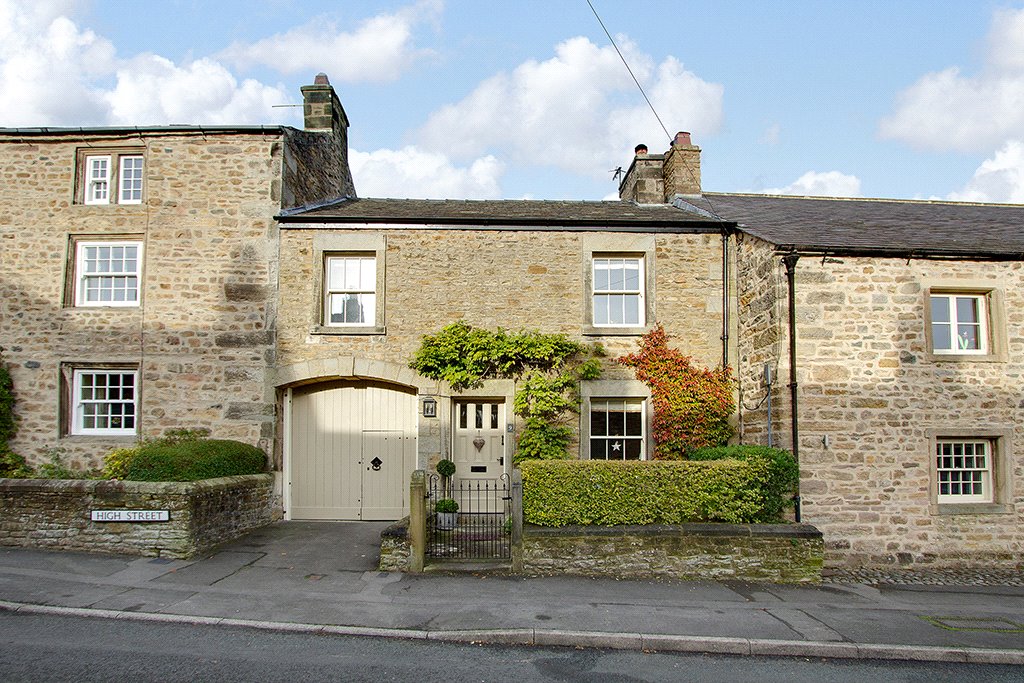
(107, 486)
(399, 529)
(693, 529)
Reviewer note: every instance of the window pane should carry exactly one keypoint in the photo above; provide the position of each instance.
(966, 309)
(462, 415)
(494, 416)
(631, 309)
(940, 309)
(632, 275)
(600, 275)
(598, 422)
(479, 415)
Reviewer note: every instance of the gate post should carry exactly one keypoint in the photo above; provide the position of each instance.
(517, 521)
(417, 520)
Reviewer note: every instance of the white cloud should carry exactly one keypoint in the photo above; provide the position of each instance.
(815, 184)
(576, 111)
(999, 179)
(949, 110)
(419, 174)
(151, 89)
(378, 50)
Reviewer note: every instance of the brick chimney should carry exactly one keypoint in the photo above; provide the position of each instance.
(657, 178)
(321, 107)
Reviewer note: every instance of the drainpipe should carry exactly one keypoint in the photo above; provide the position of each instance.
(725, 298)
(789, 260)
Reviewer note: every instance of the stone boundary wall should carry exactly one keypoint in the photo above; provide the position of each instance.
(395, 547)
(55, 514)
(777, 553)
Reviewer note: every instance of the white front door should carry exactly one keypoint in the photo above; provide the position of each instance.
(479, 440)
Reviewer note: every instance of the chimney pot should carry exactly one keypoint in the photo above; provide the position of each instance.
(321, 79)
(683, 139)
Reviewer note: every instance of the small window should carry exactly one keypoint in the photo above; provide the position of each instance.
(350, 290)
(104, 402)
(107, 273)
(963, 471)
(616, 429)
(113, 176)
(618, 292)
(959, 324)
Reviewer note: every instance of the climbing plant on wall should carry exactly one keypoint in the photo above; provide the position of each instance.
(692, 405)
(6, 406)
(549, 367)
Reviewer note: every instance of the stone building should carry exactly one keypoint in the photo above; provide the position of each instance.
(139, 272)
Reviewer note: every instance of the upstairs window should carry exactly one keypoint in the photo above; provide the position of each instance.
(107, 273)
(350, 290)
(110, 176)
(618, 291)
(959, 323)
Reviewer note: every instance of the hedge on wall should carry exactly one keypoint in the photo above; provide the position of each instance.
(194, 460)
(591, 492)
(783, 474)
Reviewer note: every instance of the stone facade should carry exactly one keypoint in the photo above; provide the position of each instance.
(774, 553)
(202, 336)
(516, 278)
(873, 398)
(43, 513)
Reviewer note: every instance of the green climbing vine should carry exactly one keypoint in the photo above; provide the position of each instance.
(692, 405)
(548, 367)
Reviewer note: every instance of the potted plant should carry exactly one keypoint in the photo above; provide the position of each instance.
(447, 513)
(446, 468)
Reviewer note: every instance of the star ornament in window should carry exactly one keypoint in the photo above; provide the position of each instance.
(616, 446)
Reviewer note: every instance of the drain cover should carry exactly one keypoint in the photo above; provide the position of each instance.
(976, 624)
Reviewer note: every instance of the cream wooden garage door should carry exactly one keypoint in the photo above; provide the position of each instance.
(352, 448)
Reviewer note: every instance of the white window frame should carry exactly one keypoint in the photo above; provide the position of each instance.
(621, 292)
(607, 403)
(129, 187)
(960, 463)
(954, 324)
(364, 291)
(80, 403)
(83, 276)
(94, 181)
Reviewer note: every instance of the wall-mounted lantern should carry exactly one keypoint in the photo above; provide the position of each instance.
(429, 407)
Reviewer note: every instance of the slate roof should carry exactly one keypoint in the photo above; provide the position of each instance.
(506, 212)
(875, 226)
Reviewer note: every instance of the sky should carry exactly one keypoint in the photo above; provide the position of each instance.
(514, 99)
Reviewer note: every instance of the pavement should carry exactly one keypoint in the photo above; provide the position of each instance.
(321, 577)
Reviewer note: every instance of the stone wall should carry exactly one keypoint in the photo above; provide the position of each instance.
(395, 547)
(55, 514)
(872, 399)
(777, 553)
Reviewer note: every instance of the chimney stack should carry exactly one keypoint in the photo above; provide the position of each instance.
(321, 107)
(657, 178)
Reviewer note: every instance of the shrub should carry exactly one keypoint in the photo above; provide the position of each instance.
(13, 466)
(54, 467)
(783, 472)
(591, 492)
(116, 463)
(195, 459)
(445, 468)
(7, 425)
(541, 440)
(446, 505)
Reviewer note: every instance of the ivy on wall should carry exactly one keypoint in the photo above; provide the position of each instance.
(6, 405)
(549, 367)
(692, 405)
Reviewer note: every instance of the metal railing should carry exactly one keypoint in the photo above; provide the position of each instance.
(481, 529)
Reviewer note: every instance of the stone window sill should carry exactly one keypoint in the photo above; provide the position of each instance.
(592, 331)
(970, 509)
(344, 331)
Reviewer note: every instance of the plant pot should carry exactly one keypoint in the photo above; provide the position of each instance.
(446, 521)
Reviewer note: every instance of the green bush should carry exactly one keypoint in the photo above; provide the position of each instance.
(447, 505)
(54, 467)
(192, 460)
(117, 461)
(783, 472)
(13, 466)
(445, 468)
(540, 440)
(591, 492)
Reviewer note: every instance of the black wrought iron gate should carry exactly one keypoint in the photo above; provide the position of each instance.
(480, 529)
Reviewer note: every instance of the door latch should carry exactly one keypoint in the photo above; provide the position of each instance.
(376, 463)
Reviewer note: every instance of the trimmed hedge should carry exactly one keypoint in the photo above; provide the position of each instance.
(194, 460)
(591, 492)
(784, 474)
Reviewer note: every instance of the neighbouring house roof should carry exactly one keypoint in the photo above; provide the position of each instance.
(137, 130)
(892, 227)
(506, 213)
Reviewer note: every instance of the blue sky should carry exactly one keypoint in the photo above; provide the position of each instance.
(475, 99)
